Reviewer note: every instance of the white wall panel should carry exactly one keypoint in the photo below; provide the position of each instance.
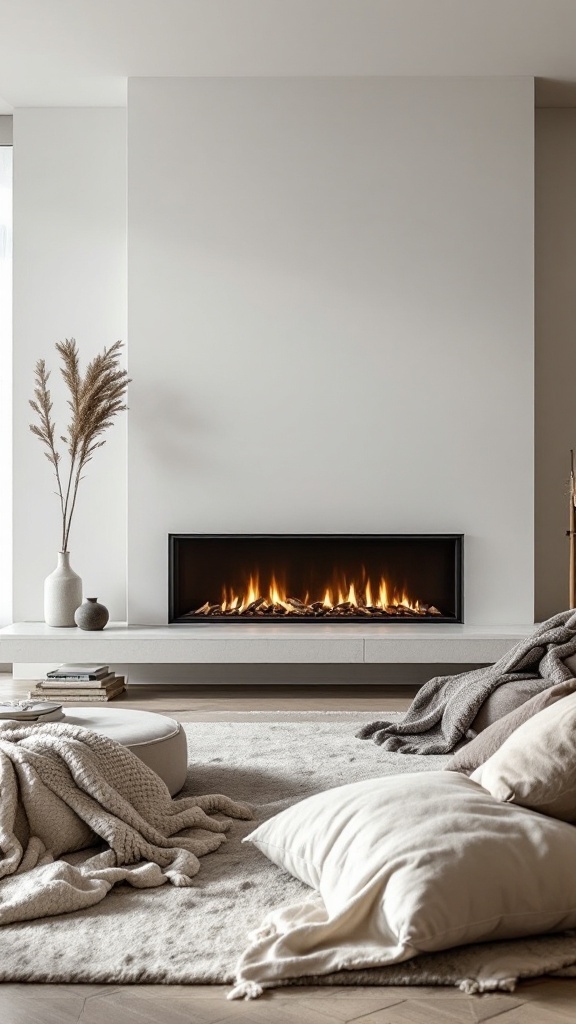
(69, 281)
(555, 350)
(331, 318)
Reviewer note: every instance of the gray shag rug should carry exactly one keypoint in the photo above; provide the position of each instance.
(196, 935)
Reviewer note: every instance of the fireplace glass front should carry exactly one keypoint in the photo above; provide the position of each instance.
(315, 578)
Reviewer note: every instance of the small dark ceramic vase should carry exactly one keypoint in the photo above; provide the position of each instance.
(91, 615)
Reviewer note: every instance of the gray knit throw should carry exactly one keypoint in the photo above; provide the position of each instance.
(444, 708)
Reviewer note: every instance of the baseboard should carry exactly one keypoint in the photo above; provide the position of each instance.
(266, 675)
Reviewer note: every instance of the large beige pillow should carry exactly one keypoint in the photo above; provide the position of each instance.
(478, 750)
(536, 766)
(407, 864)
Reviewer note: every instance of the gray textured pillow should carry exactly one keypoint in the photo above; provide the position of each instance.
(503, 700)
(475, 753)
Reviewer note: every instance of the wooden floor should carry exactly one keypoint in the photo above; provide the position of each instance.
(201, 703)
(548, 1001)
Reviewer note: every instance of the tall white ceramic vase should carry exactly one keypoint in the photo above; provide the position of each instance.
(62, 593)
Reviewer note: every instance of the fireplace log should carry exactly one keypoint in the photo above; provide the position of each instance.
(203, 610)
(295, 608)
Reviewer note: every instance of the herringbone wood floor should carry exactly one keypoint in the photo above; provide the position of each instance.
(548, 1001)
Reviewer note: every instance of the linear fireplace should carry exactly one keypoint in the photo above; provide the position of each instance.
(315, 578)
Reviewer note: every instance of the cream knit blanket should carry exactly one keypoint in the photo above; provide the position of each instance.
(64, 789)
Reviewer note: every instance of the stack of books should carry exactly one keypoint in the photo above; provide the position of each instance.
(79, 684)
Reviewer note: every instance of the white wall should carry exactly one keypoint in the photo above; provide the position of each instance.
(69, 280)
(330, 311)
(5, 129)
(5, 370)
(555, 350)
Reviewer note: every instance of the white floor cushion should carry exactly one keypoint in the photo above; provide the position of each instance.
(407, 864)
(157, 740)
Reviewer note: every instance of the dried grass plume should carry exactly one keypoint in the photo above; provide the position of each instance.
(95, 400)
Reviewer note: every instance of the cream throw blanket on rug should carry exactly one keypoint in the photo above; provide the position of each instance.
(63, 789)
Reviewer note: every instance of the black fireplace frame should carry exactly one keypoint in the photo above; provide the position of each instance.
(456, 538)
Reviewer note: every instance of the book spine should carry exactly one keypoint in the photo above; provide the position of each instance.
(77, 684)
(57, 694)
(71, 699)
(51, 691)
(75, 678)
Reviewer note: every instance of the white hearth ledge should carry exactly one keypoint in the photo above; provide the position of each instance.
(210, 643)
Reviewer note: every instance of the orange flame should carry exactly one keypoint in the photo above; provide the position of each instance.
(367, 594)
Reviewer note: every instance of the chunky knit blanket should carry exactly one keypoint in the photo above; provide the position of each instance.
(445, 707)
(64, 789)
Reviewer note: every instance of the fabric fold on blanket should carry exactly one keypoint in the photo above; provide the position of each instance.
(445, 707)
(64, 789)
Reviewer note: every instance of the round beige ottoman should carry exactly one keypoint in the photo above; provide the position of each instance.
(157, 740)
